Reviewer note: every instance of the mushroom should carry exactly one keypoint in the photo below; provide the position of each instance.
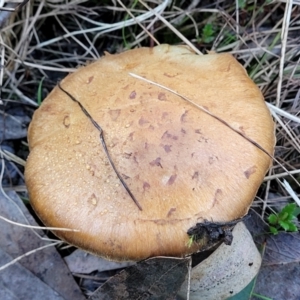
(162, 165)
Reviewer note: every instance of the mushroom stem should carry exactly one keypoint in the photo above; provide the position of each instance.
(103, 145)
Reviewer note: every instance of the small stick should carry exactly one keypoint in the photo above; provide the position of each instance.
(103, 145)
(218, 119)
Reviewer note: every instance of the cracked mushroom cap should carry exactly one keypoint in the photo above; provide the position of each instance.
(182, 165)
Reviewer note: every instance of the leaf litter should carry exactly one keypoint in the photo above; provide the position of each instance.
(34, 276)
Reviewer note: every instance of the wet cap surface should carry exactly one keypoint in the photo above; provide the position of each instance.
(181, 165)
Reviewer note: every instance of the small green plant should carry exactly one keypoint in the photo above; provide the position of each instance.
(191, 241)
(40, 92)
(126, 43)
(284, 219)
(208, 34)
(242, 3)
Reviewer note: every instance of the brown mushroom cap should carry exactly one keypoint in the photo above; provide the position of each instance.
(182, 165)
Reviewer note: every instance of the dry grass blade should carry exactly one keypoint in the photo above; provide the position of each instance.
(12, 157)
(1, 68)
(280, 175)
(139, 23)
(283, 113)
(289, 189)
(182, 37)
(284, 36)
(288, 132)
(37, 227)
(104, 28)
(27, 254)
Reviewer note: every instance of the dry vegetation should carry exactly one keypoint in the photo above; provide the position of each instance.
(47, 39)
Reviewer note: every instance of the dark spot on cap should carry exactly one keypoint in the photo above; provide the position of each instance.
(124, 176)
(217, 197)
(143, 121)
(212, 159)
(66, 121)
(202, 139)
(168, 135)
(114, 114)
(160, 221)
(250, 171)
(170, 75)
(195, 175)
(172, 179)
(250, 264)
(241, 128)
(167, 148)
(162, 97)
(114, 142)
(90, 79)
(183, 117)
(132, 95)
(92, 200)
(130, 136)
(109, 242)
(183, 131)
(135, 159)
(164, 115)
(146, 186)
(231, 292)
(156, 162)
(198, 131)
(127, 155)
(172, 210)
(146, 145)
(49, 108)
(228, 67)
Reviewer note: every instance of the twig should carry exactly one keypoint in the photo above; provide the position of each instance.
(206, 111)
(284, 36)
(218, 119)
(103, 145)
